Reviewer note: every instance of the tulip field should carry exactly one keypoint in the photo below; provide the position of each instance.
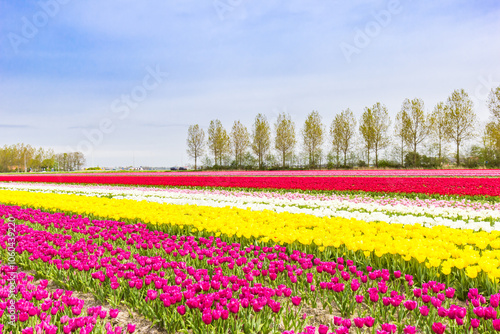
(251, 252)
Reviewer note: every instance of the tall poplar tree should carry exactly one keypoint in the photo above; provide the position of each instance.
(437, 128)
(375, 122)
(195, 142)
(285, 141)
(312, 134)
(240, 141)
(261, 138)
(218, 140)
(342, 131)
(460, 119)
(415, 124)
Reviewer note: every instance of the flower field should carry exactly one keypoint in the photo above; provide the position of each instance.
(229, 258)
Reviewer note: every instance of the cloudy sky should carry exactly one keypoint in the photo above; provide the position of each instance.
(122, 80)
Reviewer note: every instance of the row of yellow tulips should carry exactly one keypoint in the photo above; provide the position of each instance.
(441, 249)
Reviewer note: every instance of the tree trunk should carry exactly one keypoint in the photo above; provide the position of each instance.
(368, 158)
(313, 158)
(345, 158)
(415, 154)
(284, 155)
(402, 152)
(458, 153)
(439, 154)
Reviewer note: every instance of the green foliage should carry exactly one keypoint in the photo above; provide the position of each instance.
(388, 164)
(415, 160)
(25, 158)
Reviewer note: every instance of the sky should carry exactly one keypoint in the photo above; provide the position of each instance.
(121, 80)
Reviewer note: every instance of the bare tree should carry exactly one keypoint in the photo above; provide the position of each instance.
(69, 161)
(342, 132)
(62, 161)
(195, 143)
(261, 136)
(373, 128)
(366, 128)
(460, 118)
(382, 123)
(312, 134)
(437, 128)
(218, 140)
(415, 124)
(494, 103)
(284, 136)
(492, 130)
(27, 153)
(336, 137)
(399, 133)
(79, 160)
(240, 140)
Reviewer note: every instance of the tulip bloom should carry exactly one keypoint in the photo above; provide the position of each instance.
(409, 330)
(296, 300)
(424, 310)
(323, 329)
(359, 322)
(181, 309)
(113, 313)
(131, 328)
(438, 328)
(206, 318)
(496, 325)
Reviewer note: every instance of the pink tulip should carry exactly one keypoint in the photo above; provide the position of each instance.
(424, 310)
(206, 318)
(438, 328)
(359, 322)
(409, 330)
(323, 329)
(113, 313)
(496, 325)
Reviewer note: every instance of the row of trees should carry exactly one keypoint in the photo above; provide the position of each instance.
(491, 135)
(21, 157)
(453, 121)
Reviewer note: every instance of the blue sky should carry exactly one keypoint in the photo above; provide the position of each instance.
(66, 66)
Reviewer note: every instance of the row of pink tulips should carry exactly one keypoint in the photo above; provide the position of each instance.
(54, 311)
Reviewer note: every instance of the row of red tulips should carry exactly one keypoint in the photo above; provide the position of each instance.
(441, 186)
(209, 285)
